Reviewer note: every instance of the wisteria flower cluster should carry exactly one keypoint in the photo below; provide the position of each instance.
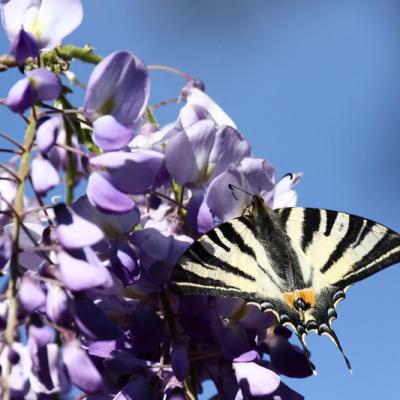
(97, 205)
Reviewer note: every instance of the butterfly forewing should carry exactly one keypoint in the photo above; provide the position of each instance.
(345, 248)
(228, 261)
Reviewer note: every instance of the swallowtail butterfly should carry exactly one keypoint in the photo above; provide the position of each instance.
(296, 262)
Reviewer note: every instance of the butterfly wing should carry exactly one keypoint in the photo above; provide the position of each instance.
(345, 248)
(227, 261)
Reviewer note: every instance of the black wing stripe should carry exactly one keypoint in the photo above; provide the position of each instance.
(250, 225)
(385, 253)
(353, 229)
(214, 237)
(210, 259)
(330, 220)
(235, 238)
(311, 223)
(182, 275)
(364, 232)
(383, 246)
(196, 260)
(284, 214)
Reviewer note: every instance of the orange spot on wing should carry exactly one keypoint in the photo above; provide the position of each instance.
(308, 295)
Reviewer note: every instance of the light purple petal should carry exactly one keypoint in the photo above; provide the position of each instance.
(247, 357)
(192, 113)
(24, 46)
(21, 96)
(45, 83)
(253, 175)
(84, 375)
(119, 85)
(220, 199)
(258, 175)
(78, 274)
(49, 21)
(46, 134)
(73, 231)
(112, 225)
(153, 239)
(44, 175)
(109, 134)
(102, 194)
(191, 149)
(179, 152)
(124, 262)
(132, 172)
(255, 380)
(31, 295)
(284, 195)
(28, 259)
(230, 146)
(197, 97)
(199, 216)
(56, 303)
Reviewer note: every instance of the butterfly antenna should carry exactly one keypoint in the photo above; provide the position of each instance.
(233, 187)
(335, 339)
(307, 353)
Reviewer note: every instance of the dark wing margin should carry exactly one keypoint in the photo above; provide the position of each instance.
(345, 248)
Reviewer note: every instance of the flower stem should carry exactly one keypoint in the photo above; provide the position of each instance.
(170, 317)
(23, 172)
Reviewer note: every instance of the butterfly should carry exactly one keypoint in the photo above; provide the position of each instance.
(296, 262)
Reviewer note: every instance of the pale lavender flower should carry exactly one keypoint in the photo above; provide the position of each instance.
(116, 98)
(73, 231)
(205, 151)
(47, 21)
(24, 46)
(254, 379)
(106, 197)
(254, 176)
(200, 106)
(81, 369)
(40, 84)
(80, 274)
(30, 295)
(46, 133)
(44, 176)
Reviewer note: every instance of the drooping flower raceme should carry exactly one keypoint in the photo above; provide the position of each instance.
(86, 303)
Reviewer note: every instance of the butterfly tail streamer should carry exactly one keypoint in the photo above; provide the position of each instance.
(307, 353)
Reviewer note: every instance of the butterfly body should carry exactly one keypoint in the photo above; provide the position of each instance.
(295, 262)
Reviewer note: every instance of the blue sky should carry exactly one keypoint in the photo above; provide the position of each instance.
(315, 87)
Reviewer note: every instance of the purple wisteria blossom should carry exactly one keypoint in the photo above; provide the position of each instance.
(250, 176)
(40, 84)
(47, 21)
(205, 151)
(95, 215)
(116, 98)
(24, 46)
